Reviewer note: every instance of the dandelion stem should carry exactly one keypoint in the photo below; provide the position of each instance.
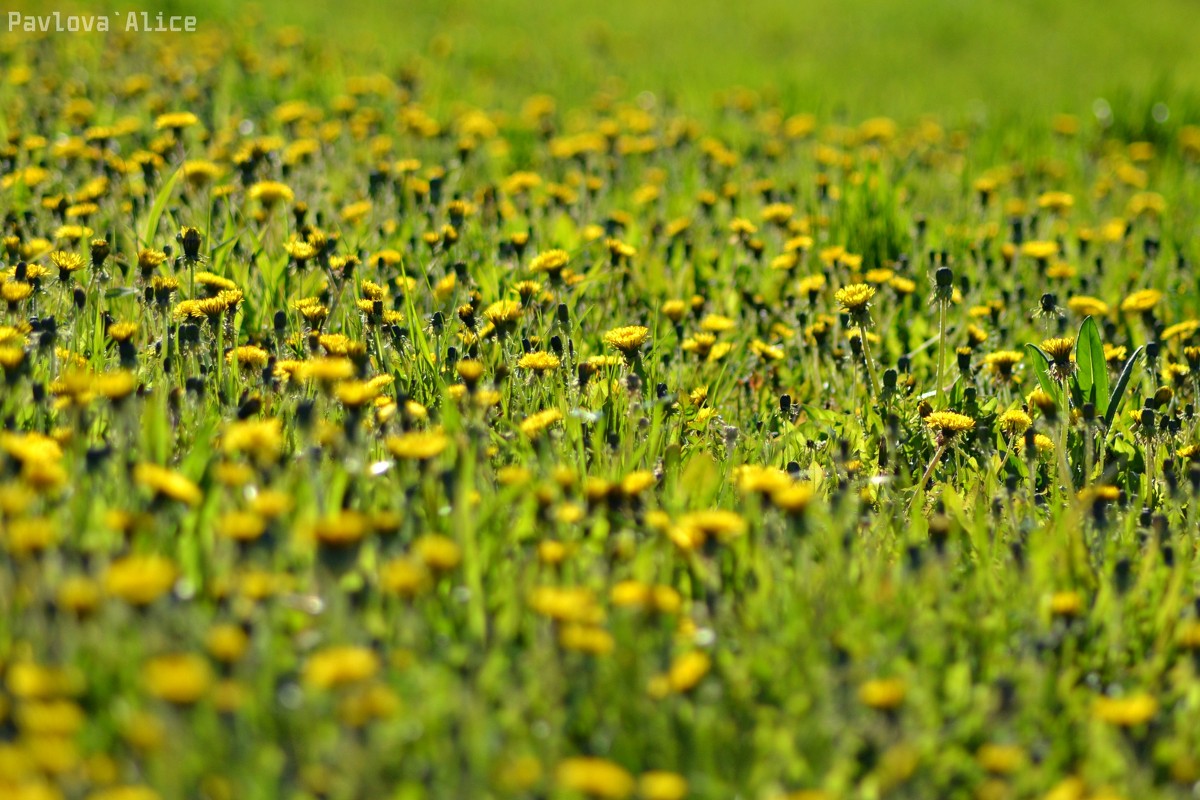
(1088, 456)
(1064, 466)
(870, 368)
(941, 358)
(937, 456)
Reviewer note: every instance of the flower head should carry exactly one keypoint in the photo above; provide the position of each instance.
(946, 425)
(1060, 350)
(628, 338)
(855, 300)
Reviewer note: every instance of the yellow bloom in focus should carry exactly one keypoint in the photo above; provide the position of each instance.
(1014, 423)
(503, 312)
(947, 424)
(855, 300)
(539, 362)
(628, 338)
(1061, 351)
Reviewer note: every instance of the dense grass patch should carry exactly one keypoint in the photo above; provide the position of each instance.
(417, 411)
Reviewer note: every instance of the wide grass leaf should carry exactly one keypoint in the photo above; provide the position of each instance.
(1092, 371)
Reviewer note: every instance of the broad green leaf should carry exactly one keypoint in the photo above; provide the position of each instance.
(1114, 400)
(1092, 372)
(1041, 369)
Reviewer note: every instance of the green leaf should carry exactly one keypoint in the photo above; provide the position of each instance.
(1114, 400)
(1041, 369)
(1092, 369)
(160, 203)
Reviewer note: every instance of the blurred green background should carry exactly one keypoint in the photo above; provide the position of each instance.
(863, 57)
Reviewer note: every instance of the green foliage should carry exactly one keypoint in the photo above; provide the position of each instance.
(511, 434)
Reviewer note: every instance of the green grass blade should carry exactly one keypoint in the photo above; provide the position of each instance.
(1114, 401)
(1041, 369)
(160, 204)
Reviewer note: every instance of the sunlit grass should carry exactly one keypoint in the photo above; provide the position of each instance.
(455, 421)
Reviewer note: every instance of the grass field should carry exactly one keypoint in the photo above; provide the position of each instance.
(555, 401)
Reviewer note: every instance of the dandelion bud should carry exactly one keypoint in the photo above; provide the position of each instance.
(99, 251)
(190, 239)
(944, 278)
(964, 360)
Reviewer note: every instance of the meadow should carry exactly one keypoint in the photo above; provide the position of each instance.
(515, 401)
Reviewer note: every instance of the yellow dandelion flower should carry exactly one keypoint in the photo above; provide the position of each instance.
(180, 678)
(338, 666)
(1086, 306)
(883, 694)
(628, 338)
(534, 424)
(166, 483)
(271, 193)
(594, 777)
(418, 446)
(948, 424)
(1014, 423)
(855, 299)
(140, 580)
(1125, 712)
(1141, 301)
